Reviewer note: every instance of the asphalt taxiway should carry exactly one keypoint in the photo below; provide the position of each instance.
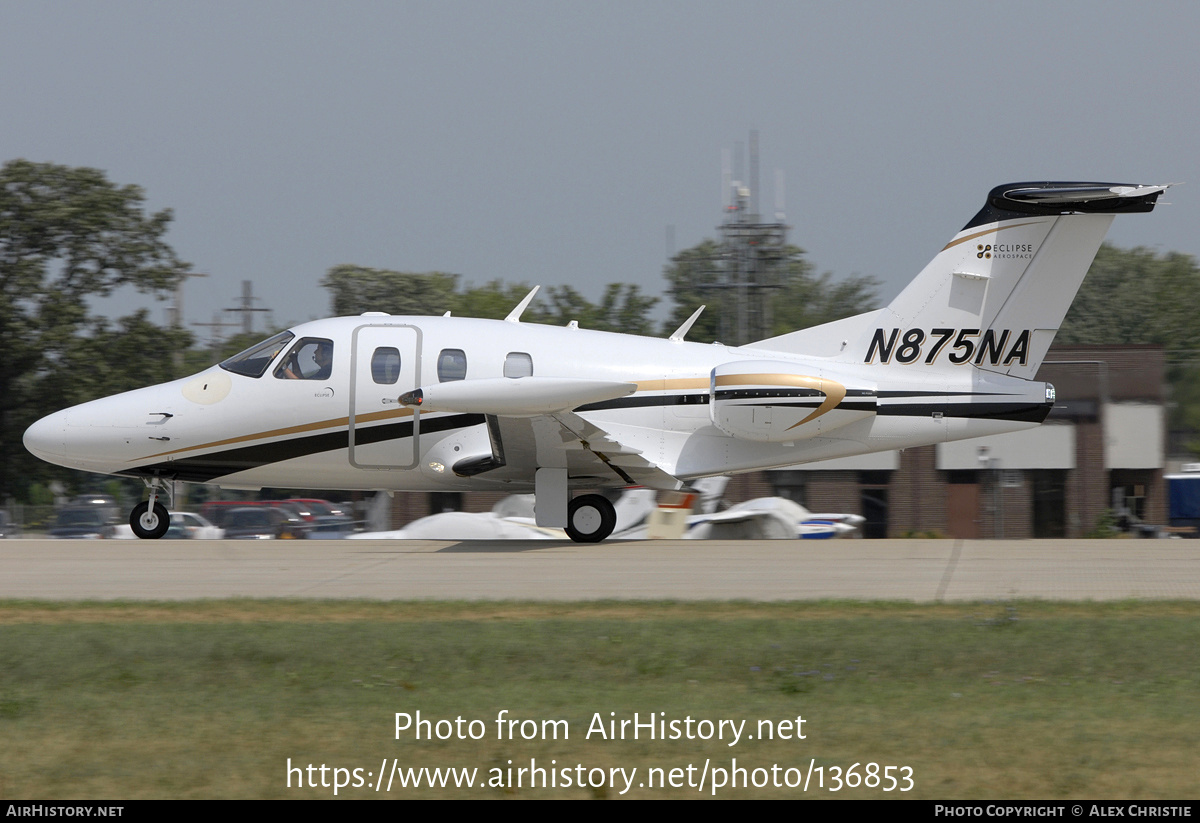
(909, 570)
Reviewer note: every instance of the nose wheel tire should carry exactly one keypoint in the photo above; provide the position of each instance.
(590, 518)
(149, 524)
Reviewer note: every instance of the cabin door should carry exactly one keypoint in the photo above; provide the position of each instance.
(385, 363)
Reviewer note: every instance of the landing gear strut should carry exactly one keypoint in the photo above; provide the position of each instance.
(590, 518)
(150, 519)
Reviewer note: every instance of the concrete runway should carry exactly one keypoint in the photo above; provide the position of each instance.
(910, 570)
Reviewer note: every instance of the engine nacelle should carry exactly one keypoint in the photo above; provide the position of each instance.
(773, 401)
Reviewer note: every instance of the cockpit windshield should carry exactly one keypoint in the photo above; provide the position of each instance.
(253, 362)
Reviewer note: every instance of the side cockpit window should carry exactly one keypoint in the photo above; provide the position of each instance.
(452, 365)
(254, 361)
(309, 359)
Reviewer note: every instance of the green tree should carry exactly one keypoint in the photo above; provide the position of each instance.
(691, 281)
(1185, 403)
(1133, 296)
(115, 357)
(622, 308)
(66, 235)
(799, 299)
(810, 300)
(357, 289)
(494, 301)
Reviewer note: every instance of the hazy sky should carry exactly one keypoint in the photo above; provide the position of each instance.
(555, 142)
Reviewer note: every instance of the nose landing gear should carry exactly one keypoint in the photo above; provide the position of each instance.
(150, 519)
(149, 523)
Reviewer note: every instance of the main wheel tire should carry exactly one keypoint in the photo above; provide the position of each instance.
(590, 518)
(147, 524)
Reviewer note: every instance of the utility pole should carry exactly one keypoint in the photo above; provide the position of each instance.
(176, 311)
(175, 314)
(247, 307)
(214, 335)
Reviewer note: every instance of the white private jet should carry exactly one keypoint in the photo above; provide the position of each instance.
(448, 403)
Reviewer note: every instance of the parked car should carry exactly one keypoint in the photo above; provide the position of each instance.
(313, 518)
(262, 523)
(195, 527)
(325, 520)
(184, 526)
(87, 522)
(217, 512)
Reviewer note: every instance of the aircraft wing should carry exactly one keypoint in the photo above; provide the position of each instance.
(520, 445)
(531, 426)
(515, 397)
(615, 452)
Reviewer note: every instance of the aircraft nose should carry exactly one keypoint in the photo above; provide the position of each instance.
(46, 439)
(105, 435)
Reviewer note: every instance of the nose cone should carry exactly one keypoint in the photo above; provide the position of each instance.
(102, 435)
(46, 439)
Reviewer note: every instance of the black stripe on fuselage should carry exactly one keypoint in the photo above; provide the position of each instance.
(740, 394)
(703, 399)
(1031, 412)
(812, 404)
(890, 395)
(643, 402)
(207, 467)
(1023, 412)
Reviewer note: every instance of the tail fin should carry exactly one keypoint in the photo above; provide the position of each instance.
(995, 296)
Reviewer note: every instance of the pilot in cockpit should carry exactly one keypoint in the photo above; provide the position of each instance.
(308, 360)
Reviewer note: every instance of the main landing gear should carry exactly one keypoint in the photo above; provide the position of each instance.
(590, 518)
(150, 519)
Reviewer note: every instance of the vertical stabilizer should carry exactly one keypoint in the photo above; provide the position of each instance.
(995, 296)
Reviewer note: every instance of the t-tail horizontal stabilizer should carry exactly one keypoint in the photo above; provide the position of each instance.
(1014, 200)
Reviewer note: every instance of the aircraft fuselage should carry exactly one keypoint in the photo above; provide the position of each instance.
(698, 410)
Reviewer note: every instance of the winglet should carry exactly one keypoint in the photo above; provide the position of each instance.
(677, 337)
(514, 316)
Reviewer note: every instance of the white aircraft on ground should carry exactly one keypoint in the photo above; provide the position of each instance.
(459, 404)
(513, 519)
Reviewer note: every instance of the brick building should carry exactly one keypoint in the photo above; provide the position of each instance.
(1103, 447)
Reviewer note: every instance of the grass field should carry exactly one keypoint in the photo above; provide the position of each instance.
(213, 699)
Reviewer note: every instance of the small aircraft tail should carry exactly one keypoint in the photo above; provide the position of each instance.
(995, 296)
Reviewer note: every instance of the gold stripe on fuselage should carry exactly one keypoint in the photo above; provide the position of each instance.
(673, 383)
(834, 391)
